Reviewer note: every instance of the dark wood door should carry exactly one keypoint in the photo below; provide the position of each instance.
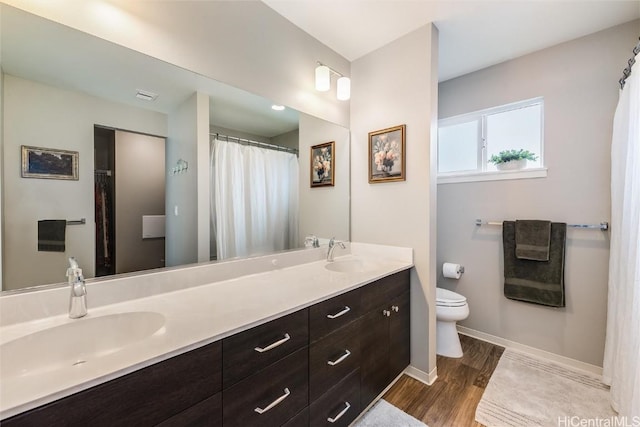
(399, 335)
(374, 354)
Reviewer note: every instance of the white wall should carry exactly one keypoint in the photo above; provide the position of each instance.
(397, 84)
(242, 43)
(323, 210)
(578, 81)
(43, 116)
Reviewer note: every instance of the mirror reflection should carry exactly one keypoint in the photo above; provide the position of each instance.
(173, 167)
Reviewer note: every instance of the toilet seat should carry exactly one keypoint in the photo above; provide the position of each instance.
(447, 298)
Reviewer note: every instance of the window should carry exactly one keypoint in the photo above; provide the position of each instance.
(467, 142)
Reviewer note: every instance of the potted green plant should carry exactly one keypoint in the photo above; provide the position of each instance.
(512, 159)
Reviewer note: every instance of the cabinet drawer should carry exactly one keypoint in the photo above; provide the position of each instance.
(330, 315)
(332, 358)
(382, 291)
(300, 420)
(247, 352)
(206, 413)
(145, 397)
(280, 391)
(340, 405)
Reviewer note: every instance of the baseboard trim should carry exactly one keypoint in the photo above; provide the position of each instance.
(422, 376)
(530, 350)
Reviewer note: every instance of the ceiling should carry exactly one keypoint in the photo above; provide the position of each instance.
(473, 34)
(80, 62)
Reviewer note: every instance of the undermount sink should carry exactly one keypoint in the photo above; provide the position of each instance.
(75, 343)
(349, 265)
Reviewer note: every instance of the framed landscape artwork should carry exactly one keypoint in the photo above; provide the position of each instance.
(49, 163)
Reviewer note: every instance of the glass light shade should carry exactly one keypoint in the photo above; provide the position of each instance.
(344, 88)
(323, 78)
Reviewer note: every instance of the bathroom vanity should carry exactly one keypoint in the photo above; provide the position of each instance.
(316, 363)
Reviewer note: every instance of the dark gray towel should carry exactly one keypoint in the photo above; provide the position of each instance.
(533, 238)
(539, 282)
(51, 235)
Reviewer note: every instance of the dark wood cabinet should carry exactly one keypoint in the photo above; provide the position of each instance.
(327, 316)
(145, 397)
(270, 397)
(332, 358)
(318, 366)
(385, 341)
(247, 352)
(340, 405)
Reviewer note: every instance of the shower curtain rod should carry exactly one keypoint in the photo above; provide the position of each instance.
(255, 143)
(627, 71)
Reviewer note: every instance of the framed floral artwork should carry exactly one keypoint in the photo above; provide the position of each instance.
(387, 155)
(49, 163)
(322, 164)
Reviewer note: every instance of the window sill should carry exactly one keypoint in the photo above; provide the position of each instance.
(493, 176)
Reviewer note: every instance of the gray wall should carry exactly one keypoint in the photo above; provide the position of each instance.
(394, 85)
(140, 175)
(188, 140)
(578, 81)
(43, 116)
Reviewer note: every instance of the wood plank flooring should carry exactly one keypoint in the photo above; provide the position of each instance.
(452, 399)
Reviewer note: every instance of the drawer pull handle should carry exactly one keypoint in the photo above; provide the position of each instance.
(346, 354)
(342, 312)
(274, 403)
(395, 308)
(337, 417)
(386, 313)
(274, 345)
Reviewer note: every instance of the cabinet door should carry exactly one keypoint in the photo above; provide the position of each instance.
(399, 335)
(374, 352)
(145, 397)
(207, 413)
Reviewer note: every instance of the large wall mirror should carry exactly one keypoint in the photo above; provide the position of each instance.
(63, 89)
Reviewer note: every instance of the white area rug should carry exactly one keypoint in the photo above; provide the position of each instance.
(526, 391)
(384, 414)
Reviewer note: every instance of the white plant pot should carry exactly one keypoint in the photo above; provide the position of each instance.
(512, 165)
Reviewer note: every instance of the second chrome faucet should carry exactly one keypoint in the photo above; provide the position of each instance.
(332, 246)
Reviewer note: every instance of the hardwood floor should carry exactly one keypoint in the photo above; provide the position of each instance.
(452, 399)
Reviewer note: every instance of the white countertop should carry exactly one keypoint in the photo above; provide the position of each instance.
(194, 317)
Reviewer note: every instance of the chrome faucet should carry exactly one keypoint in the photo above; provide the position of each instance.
(311, 241)
(78, 298)
(332, 246)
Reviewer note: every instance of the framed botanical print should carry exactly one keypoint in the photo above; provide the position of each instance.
(323, 164)
(387, 154)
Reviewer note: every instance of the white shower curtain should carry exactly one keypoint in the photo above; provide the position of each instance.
(621, 368)
(254, 201)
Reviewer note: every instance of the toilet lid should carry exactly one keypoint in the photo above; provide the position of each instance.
(447, 298)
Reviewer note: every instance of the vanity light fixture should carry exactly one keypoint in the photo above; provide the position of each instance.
(146, 95)
(277, 107)
(323, 81)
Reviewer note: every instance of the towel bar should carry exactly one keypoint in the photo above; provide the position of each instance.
(604, 226)
(77, 221)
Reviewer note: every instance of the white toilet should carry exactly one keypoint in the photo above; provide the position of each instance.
(450, 308)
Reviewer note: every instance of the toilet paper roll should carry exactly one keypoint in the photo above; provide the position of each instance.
(451, 270)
